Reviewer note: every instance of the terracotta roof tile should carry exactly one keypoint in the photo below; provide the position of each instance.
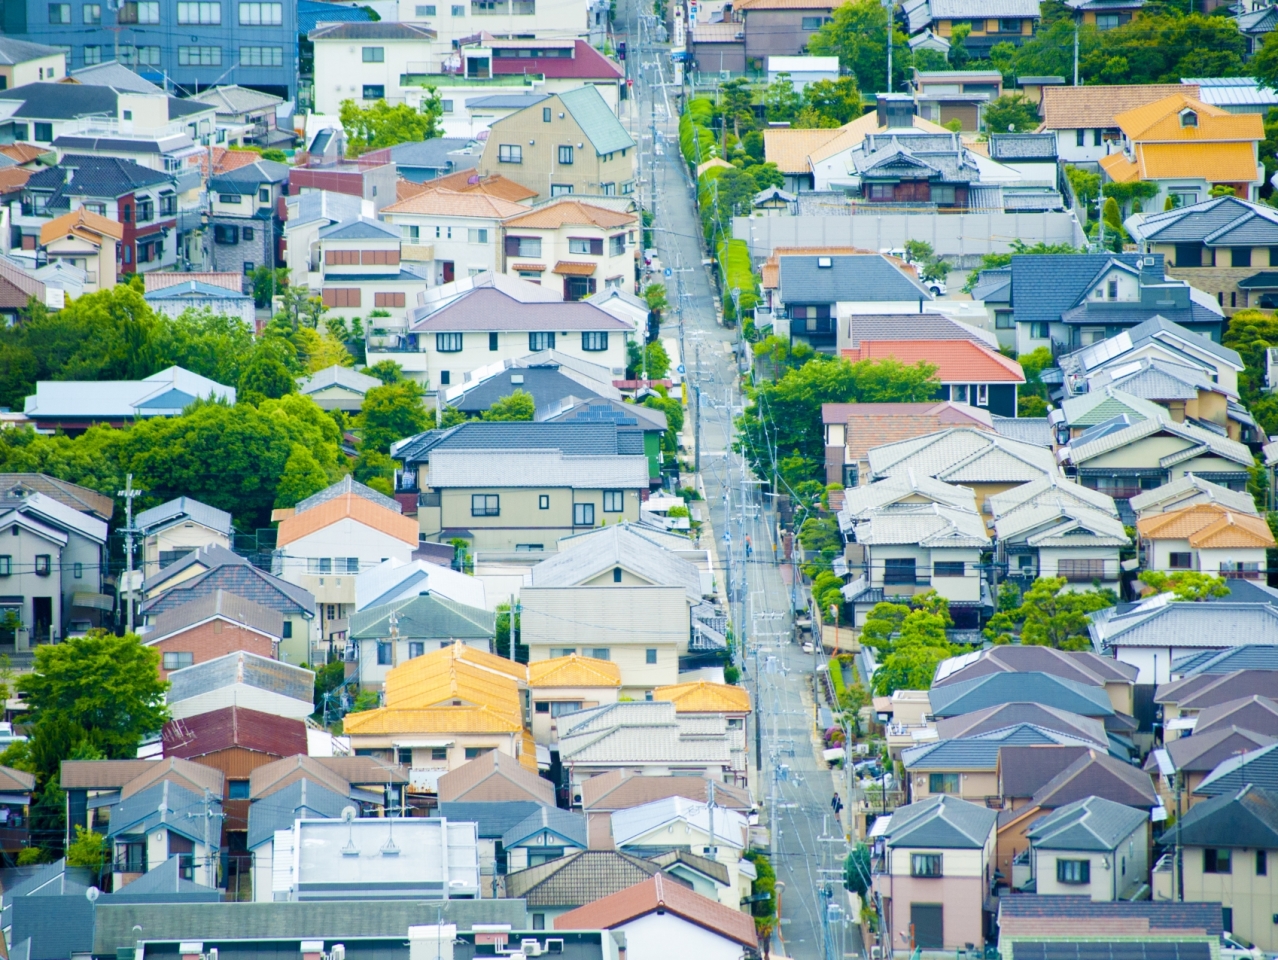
(390, 720)
(14, 178)
(454, 204)
(224, 160)
(574, 671)
(494, 777)
(339, 508)
(957, 361)
(619, 790)
(702, 696)
(23, 152)
(789, 148)
(159, 279)
(661, 892)
(562, 212)
(1207, 525)
(1092, 107)
(407, 188)
(495, 185)
(84, 224)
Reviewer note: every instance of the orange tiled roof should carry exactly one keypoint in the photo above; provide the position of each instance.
(24, 152)
(225, 160)
(13, 179)
(528, 753)
(340, 508)
(478, 658)
(1119, 168)
(407, 188)
(1207, 526)
(562, 212)
(661, 893)
(84, 224)
(159, 279)
(454, 204)
(1213, 162)
(495, 185)
(1160, 121)
(956, 361)
(393, 720)
(573, 671)
(1095, 107)
(412, 685)
(570, 268)
(702, 696)
(789, 148)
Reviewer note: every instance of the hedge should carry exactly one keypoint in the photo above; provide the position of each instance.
(734, 268)
(697, 141)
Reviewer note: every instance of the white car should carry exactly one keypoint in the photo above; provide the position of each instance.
(936, 287)
(1231, 949)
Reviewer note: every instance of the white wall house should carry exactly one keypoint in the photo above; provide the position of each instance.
(365, 62)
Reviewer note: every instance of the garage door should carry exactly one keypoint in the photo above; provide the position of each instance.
(929, 931)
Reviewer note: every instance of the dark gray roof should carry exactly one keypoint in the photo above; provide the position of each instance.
(69, 101)
(221, 603)
(93, 176)
(1046, 285)
(1022, 146)
(426, 616)
(1155, 326)
(1080, 666)
(1120, 314)
(183, 508)
(242, 579)
(301, 799)
(1223, 221)
(437, 153)
(1160, 914)
(909, 326)
(374, 30)
(361, 228)
(573, 438)
(1004, 715)
(905, 154)
(1024, 769)
(968, 695)
(563, 823)
(165, 883)
(1246, 817)
(212, 555)
(245, 180)
(494, 817)
(488, 308)
(1255, 713)
(994, 286)
(981, 752)
(19, 51)
(944, 822)
(163, 804)
(1098, 774)
(1259, 767)
(1252, 656)
(854, 278)
(1094, 824)
(545, 384)
(578, 878)
(1203, 752)
(577, 409)
(292, 921)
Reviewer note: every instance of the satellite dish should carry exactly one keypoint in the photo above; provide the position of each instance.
(92, 894)
(348, 814)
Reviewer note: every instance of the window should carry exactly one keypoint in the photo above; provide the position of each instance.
(1240, 256)
(458, 10)
(925, 865)
(1111, 290)
(943, 783)
(43, 564)
(92, 55)
(1227, 918)
(1262, 863)
(1081, 571)
(1073, 871)
(586, 245)
(1106, 21)
(1080, 135)
(176, 661)
(44, 133)
(943, 194)
(77, 571)
(898, 570)
(1003, 320)
(383, 653)
(147, 11)
(948, 568)
(223, 233)
(1217, 861)
(510, 153)
(426, 11)
(445, 377)
(237, 790)
(288, 630)
(541, 341)
(439, 753)
(1039, 331)
(880, 191)
(91, 13)
(199, 12)
(562, 652)
(1180, 561)
(560, 189)
(261, 56)
(982, 395)
(617, 245)
(261, 14)
(650, 655)
(485, 505)
(583, 514)
(523, 246)
(374, 91)
(561, 708)
(473, 752)
(543, 501)
(565, 155)
(614, 501)
(411, 234)
(1188, 118)
(1004, 26)
(374, 54)
(594, 340)
(199, 56)
(319, 565)
(168, 204)
(59, 13)
(146, 210)
(814, 23)
(228, 198)
(598, 653)
(448, 342)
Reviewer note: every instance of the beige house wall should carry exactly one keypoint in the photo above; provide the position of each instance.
(1110, 875)
(974, 785)
(188, 535)
(522, 519)
(1252, 898)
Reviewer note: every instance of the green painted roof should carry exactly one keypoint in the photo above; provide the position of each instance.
(426, 616)
(1090, 409)
(595, 118)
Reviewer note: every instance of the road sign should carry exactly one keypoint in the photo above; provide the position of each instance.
(669, 272)
(680, 369)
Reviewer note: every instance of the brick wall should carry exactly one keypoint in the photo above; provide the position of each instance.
(1220, 283)
(217, 638)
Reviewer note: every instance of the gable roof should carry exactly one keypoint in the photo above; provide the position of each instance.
(1092, 107)
(850, 277)
(620, 790)
(1064, 523)
(565, 211)
(426, 615)
(301, 799)
(702, 696)
(219, 604)
(82, 223)
(278, 774)
(1202, 442)
(165, 804)
(964, 455)
(616, 546)
(1246, 818)
(1049, 489)
(240, 578)
(861, 502)
(564, 823)
(661, 894)
(1023, 769)
(180, 509)
(579, 878)
(595, 118)
(494, 776)
(347, 506)
(1207, 526)
(1259, 767)
(1004, 715)
(1204, 752)
(926, 524)
(1251, 656)
(573, 671)
(373, 30)
(956, 361)
(1098, 774)
(337, 376)
(1082, 667)
(964, 696)
(980, 751)
(1092, 824)
(1188, 487)
(437, 200)
(251, 730)
(1160, 121)
(942, 821)
(18, 485)
(1205, 690)
(1159, 622)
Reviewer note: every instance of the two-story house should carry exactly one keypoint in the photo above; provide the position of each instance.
(1083, 118)
(26, 62)
(1208, 538)
(1093, 846)
(359, 269)
(172, 530)
(1011, 23)
(935, 875)
(245, 223)
(461, 230)
(85, 240)
(590, 248)
(570, 143)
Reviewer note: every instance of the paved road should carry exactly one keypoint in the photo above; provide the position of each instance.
(809, 843)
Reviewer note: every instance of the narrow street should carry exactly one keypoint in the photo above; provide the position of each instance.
(792, 779)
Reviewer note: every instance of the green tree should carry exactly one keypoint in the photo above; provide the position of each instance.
(652, 358)
(857, 35)
(839, 100)
(387, 371)
(959, 55)
(518, 405)
(88, 850)
(781, 101)
(736, 101)
(302, 477)
(1011, 113)
(856, 870)
(381, 125)
(391, 413)
(1051, 615)
(267, 283)
(265, 378)
(654, 294)
(1186, 585)
(105, 685)
(1085, 184)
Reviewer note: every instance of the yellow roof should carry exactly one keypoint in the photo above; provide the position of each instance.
(386, 721)
(85, 224)
(711, 163)
(574, 671)
(1119, 168)
(702, 696)
(789, 149)
(528, 753)
(1160, 121)
(1213, 162)
(1207, 526)
(414, 685)
(481, 659)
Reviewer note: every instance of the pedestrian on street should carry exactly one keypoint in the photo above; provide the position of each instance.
(836, 805)
(749, 547)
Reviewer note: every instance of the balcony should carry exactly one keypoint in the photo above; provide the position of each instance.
(443, 80)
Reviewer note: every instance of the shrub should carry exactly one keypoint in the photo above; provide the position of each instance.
(734, 268)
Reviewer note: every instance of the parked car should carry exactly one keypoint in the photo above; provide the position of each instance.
(1233, 949)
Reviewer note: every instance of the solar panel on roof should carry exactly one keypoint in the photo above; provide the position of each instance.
(1111, 950)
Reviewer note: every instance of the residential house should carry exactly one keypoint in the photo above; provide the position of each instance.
(1190, 760)
(1105, 14)
(328, 172)
(946, 95)
(1183, 700)
(1054, 535)
(493, 318)
(1220, 245)
(161, 821)
(303, 799)
(308, 212)
(422, 161)
(968, 372)
(1067, 302)
(1255, 713)
(1081, 666)
(73, 406)
(661, 911)
(358, 264)
(18, 285)
(575, 880)
(583, 148)
(337, 388)
(1259, 766)
(591, 248)
(1094, 845)
(898, 493)
(1021, 771)
(15, 809)
(562, 63)
(493, 779)
(563, 685)
(393, 580)
(54, 570)
(493, 820)
(212, 626)
(86, 240)
(105, 781)
(548, 833)
(1084, 118)
(23, 62)
(244, 206)
(1011, 23)
(181, 526)
(390, 633)
(210, 569)
(1065, 923)
(1245, 657)
(554, 381)
(620, 789)
(1186, 147)
(247, 115)
(1046, 689)
(433, 858)
(364, 61)
(1208, 538)
(82, 499)
(980, 459)
(724, 700)
(368, 782)
(1032, 155)
(936, 874)
(176, 299)
(853, 429)
(241, 679)
(615, 597)
(653, 423)
(347, 518)
(1148, 388)
(1189, 491)
(1225, 845)
(1155, 633)
(649, 737)
(143, 201)
(910, 549)
(1003, 715)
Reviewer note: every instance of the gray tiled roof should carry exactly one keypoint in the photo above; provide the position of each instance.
(1166, 624)
(1203, 752)
(1218, 222)
(570, 826)
(1247, 818)
(359, 228)
(1046, 285)
(1022, 146)
(616, 545)
(856, 278)
(1189, 487)
(1049, 489)
(596, 119)
(1161, 327)
(929, 525)
(183, 508)
(578, 878)
(217, 603)
(1093, 824)
(1098, 774)
(912, 326)
(246, 180)
(339, 376)
(489, 308)
(576, 409)
(956, 9)
(348, 484)
(967, 695)
(1251, 656)
(243, 580)
(164, 804)
(980, 752)
(994, 286)
(1009, 714)
(546, 385)
(1080, 453)
(301, 799)
(1024, 768)
(426, 616)
(494, 818)
(1163, 918)
(1082, 666)
(574, 438)
(374, 30)
(944, 822)
(536, 468)
(1035, 430)
(13, 51)
(165, 881)
(1259, 766)
(209, 556)
(1064, 523)
(860, 502)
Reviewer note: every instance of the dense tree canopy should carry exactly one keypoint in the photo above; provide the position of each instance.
(381, 125)
(1048, 614)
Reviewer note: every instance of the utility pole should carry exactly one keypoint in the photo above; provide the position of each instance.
(1076, 53)
(889, 5)
(129, 493)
